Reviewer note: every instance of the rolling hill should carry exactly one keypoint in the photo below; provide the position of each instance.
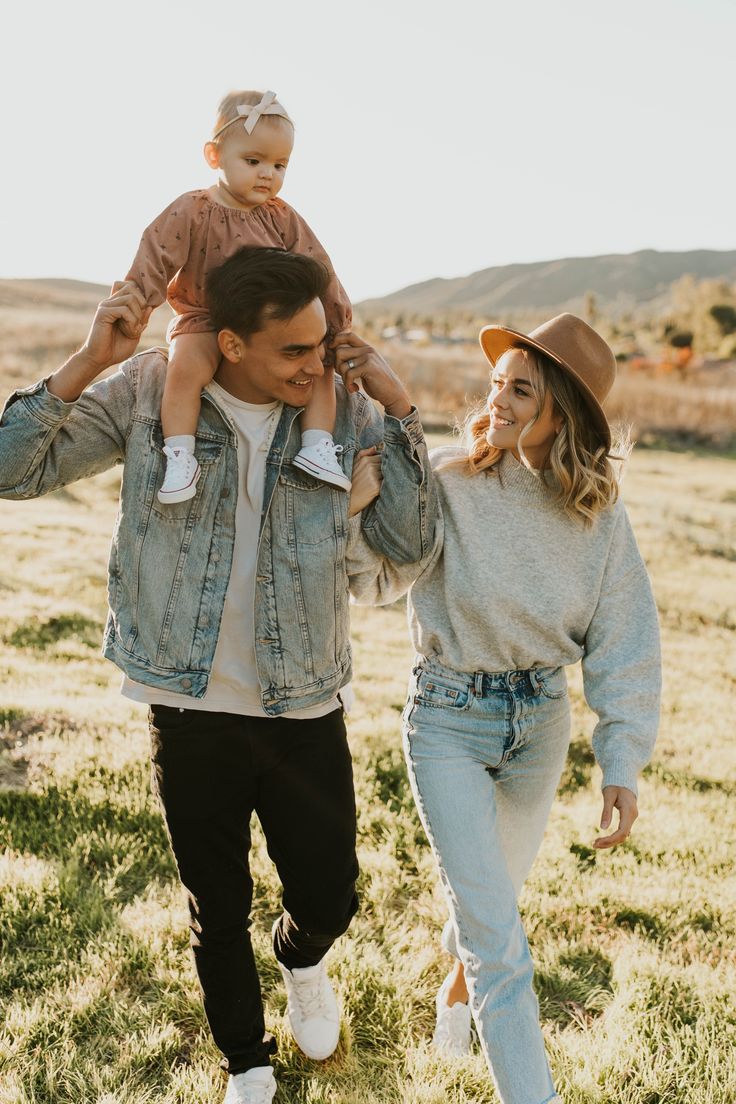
(618, 281)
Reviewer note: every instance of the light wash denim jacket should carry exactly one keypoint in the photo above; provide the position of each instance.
(170, 565)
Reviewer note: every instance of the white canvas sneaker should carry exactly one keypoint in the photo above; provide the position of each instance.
(255, 1086)
(452, 1031)
(320, 460)
(182, 473)
(312, 1009)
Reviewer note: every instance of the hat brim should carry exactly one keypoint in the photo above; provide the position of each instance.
(497, 340)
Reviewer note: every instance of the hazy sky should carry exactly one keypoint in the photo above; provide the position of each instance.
(433, 139)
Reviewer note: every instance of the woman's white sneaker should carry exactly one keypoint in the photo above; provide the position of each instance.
(452, 1031)
(312, 1009)
(255, 1086)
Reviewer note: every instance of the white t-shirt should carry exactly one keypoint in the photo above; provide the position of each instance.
(233, 686)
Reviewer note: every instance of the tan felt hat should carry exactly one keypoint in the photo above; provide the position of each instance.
(575, 346)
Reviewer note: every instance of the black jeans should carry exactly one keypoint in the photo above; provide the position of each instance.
(212, 771)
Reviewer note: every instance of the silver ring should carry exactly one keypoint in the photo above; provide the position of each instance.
(351, 364)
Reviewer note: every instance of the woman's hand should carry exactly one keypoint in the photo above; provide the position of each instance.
(367, 480)
(356, 360)
(623, 799)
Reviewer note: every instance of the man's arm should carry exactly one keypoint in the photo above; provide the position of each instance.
(57, 432)
(401, 522)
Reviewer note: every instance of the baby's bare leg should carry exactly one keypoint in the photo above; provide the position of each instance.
(193, 360)
(320, 411)
(319, 454)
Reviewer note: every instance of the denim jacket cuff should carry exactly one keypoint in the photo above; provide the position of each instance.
(398, 430)
(40, 403)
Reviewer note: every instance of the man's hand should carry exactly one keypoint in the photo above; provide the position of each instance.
(617, 797)
(356, 360)
(116, 327)
(367, 480)
(114, 334)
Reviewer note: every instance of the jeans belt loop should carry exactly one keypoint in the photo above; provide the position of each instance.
(478, 684)
(534, 679)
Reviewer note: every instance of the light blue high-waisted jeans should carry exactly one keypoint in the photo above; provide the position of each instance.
(485, 752)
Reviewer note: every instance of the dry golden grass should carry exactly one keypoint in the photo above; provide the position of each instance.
(636, 969)
(699, 410)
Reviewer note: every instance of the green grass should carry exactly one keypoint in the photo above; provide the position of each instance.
(635, 949)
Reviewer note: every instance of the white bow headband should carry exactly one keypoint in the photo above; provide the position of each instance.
(251, 113)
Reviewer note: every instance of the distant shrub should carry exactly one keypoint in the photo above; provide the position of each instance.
(681, 339)
(41, 634)
(724, 315)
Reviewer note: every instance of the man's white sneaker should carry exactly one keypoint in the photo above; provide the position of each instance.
(452, 1032)
(312, 1010)
(182, 473)
(255, 1086)
(320, 460)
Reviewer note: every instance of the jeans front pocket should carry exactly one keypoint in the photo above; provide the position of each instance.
(439, 691)
(552, 682)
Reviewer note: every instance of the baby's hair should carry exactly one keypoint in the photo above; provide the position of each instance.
(227, 111)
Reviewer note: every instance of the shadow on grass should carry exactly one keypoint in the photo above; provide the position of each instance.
(126, 848)
(578, 767)
(100, 856)
(35, 633)
(391, 780)
(578, 989)
(681, 780)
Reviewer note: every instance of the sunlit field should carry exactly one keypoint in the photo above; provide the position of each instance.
(635, 949)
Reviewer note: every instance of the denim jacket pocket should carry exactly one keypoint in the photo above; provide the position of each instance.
(315, 512)
(441, 692)
(208, 452)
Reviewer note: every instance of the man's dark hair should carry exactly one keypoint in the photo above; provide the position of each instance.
(257, 284)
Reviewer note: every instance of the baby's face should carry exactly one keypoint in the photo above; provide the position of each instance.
(253, 166)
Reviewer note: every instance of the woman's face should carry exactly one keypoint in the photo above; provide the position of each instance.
(512, 404)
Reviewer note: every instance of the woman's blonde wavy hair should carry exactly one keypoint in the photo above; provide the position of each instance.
(587, 474)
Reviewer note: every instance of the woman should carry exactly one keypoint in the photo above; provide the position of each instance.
(535, 567)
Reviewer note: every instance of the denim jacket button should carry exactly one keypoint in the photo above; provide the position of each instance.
(215, 557)
(225, 492)
(186, 683)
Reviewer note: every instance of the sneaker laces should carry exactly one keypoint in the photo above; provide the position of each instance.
(257, 1094)
(251, 1092)
(326, 449)
(177, 455)
(310, 996)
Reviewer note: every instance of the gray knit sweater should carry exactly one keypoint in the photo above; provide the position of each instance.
(512, 582)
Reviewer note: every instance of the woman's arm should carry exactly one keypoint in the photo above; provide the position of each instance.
(622, 677)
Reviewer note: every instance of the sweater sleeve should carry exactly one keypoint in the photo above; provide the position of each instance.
(376, 580)
(621, 663)
(298, 237)
(163, 250)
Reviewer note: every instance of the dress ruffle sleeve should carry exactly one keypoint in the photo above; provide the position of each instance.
(167, 264)
(164, 249)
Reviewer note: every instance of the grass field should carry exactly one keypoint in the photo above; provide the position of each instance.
(635, 949)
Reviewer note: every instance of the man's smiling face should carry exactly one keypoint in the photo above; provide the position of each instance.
(279, 361)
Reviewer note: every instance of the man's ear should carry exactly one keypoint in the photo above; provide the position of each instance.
(212, 155)
(231, 346)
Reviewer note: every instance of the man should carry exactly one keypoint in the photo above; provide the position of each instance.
(229, 614)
